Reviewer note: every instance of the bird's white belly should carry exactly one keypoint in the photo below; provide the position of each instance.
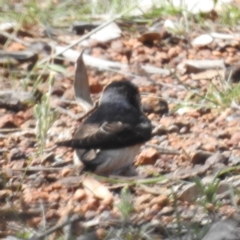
(112, 161)
(115, 159)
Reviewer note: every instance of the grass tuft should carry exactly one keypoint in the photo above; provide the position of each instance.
(45, 117)
(126, 205)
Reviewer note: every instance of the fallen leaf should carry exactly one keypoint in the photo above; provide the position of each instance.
(81, 85)
(97, 188)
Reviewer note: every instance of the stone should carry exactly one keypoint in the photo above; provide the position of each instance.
(16, 154)
(10, 121)
(95, 86)
(235, 139)
(202, 40)
(154, 104)
(147, 156)
(200, 157)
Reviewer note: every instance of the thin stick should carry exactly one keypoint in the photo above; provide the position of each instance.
(77, 117)
(38, 169)
(163, 150)
(58, 226)
(86, 36)
(89, 112)
(10, 130)
(13, 37)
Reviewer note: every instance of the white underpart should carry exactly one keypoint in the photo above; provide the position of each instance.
(114, 160)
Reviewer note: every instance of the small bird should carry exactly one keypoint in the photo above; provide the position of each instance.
(110, 138)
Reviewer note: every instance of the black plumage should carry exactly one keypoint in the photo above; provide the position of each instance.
(118, 123)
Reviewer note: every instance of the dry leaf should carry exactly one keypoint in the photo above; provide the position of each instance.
(81, 85)
(97, 188)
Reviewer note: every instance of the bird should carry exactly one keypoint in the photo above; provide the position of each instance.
(111, 136)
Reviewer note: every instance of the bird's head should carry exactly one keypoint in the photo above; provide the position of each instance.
(123, 91)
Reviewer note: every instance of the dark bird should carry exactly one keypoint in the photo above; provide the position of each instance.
(110, 138)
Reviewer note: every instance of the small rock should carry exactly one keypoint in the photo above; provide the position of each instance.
(188, 109)
(149, 38)
(224, 229)
(117, 45)
(200, 157)
(142, 81)
(107, 33)
(159, 130)
(95, 86)
(101, 233)
(79, 194)
(223, 188)
(234, 160)
(65, 172)
(190, 193)
(170, 25)
(10, 121)
(202, 40)
(58, 91)
(223, 134)
(152, 116)
(153, 104)
(143, 199)
(161, 201)
(174, 51)
(167, 211)
(16, 154)
(31, 123)
(210, 146)
(27, 142)
(184, 130)
(216, 53)
(181, 125)
(217, 158)
(7, 26)
(235, 139)
(79, 27)
(173, 129)
(147, 156)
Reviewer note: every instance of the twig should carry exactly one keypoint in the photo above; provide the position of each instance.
(10, 130)
(58, 226)
(89, 112)
(86, 36)
(3, 150)
(77, 117)
(69, 113)
(12, 37)
(50, 149)
(6, 132)
(163, 150)
(190, 88)
(38, 169)
(70, 102)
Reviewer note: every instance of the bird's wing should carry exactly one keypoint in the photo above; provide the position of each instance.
(108, 135)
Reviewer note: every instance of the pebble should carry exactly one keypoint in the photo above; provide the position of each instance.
(147, 156)
(202, 40)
